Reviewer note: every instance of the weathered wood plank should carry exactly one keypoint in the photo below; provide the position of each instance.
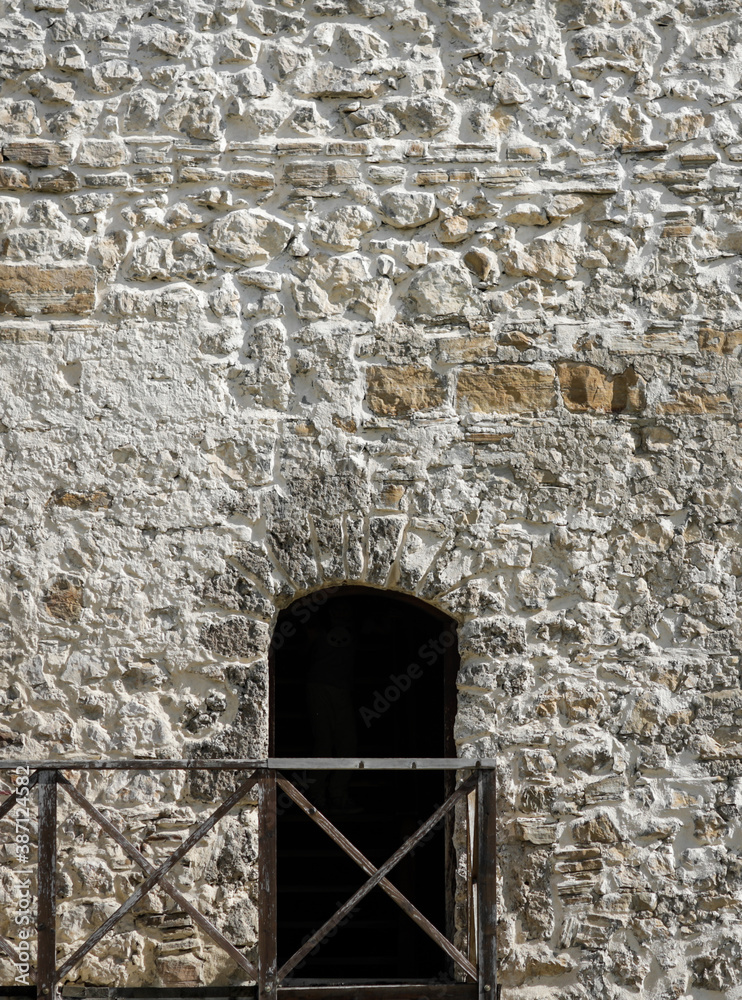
(471, 874)
(156, 875)
(403, 991)
(267, 861)
(46, 959)
(379, 874)
(203, 922)
(139, 764)
(303, 991)
(276, 763)
(378, 763)
(391, 890)
(487, 886)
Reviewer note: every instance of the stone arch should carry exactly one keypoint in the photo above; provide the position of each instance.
(332, 541)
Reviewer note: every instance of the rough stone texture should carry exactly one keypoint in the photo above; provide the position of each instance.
(26, 289)
(444, 297)
(402, 390)
(506, 389)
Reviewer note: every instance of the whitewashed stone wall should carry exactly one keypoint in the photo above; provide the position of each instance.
(441, 297)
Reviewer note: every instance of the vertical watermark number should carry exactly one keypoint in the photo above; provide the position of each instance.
(24, 901)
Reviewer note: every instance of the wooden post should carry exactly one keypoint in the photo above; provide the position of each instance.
(268, 926)
(486, 886)
(46, 963)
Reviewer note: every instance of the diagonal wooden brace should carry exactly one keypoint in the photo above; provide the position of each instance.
(376, 878)
(156, 875)
(203, 922)
(391, 890)
(13, 797)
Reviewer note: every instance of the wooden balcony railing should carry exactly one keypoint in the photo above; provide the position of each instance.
(476, 786)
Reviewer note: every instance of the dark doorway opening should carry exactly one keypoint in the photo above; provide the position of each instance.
(361, 672)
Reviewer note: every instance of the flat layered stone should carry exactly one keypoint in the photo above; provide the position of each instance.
(37, 152)
(399, 390)
(585, 388)
(506, 389)
(28, 289)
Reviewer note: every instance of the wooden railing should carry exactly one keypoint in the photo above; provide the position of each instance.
(476, 787)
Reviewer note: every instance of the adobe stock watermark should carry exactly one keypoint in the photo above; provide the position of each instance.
(399, 684)
(23, 915)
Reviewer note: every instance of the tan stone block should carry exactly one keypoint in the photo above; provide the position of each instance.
(697, 402)
(536, 829)
(105, 153)
(27, 289)
(427, 178)
(13, 179)
(454, 230)
(37, 152)
(87, 500)
(318, 175)
(719, 341)
(398, 390)
(506, 389)
(585, 387)
(63, 600)
(598, 829)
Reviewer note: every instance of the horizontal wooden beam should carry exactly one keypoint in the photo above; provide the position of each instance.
(272, 763)
(411, 991)
(378, 763)
(308, 990)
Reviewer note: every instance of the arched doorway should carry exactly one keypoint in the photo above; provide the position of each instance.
(366, 673)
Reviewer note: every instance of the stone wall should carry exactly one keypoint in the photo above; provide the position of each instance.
(440, 297)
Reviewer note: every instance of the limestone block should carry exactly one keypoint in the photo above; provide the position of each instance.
(19, 60)
(696, 402)
(326, 80)
(308, 174)
(506, 389)
(63, 599)
(360, 44)
(343, 228)
(598, 829)
(398, 391)
(407, 209)
(28, 289)
(527, 214)
(102, 153)
(719, 341)
(41, 244)
(455, 229)
(249, 236)
(384, 535)
(37, 152)
(13, 179)
(543, 258)
(425, 116)
(482, 262)
(441, 290)
(585, 388)
(236, 638)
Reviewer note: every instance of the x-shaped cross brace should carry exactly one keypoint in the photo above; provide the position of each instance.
(157, 875)
(377, 877)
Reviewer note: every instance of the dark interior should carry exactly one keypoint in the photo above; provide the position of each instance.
(396, 709)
